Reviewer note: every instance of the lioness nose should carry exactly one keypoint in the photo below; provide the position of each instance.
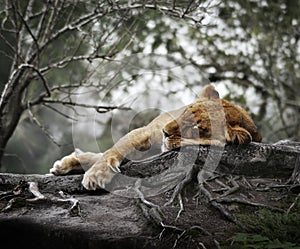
(165, 133)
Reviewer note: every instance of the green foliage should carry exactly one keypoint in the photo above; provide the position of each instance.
(276, 226)
(247, 240)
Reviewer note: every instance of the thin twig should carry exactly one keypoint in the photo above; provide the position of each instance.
(50, 23)
(187, 8)
(28, 29)
(63, 63)
(98, 108)
(40, 26)
(81, 84)
(35, 120)
(59, 112)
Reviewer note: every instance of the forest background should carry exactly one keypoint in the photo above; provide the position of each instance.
(82, 73)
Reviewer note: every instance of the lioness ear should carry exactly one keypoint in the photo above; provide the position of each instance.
(209, 92)
(78, 151)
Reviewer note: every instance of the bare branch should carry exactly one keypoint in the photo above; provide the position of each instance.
(6, 17)
(28, 29)
(29, 9)
(40, 26)
(66, 88)
(187, 8)
(170, 11)
(71, 11)
(98, 108)
(90, 17)
(48, 92)
(69, 86)
(51, 20)
(19, 34)
(36, 15)
(86, 19)
(67, 60)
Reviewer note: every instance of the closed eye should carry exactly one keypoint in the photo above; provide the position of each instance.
(165, 133)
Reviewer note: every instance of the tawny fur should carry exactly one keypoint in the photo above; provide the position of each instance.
(208, 121)
(78, 162)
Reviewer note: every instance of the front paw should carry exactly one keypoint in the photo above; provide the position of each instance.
(97, 176)
(65, 166)
(68, 164)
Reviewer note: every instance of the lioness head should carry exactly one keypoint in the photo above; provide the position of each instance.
(201, 122)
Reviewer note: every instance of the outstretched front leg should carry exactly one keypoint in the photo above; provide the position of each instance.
(107, 166)
(77, 162)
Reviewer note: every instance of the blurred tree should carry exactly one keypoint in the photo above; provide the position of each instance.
(250, 47)
(255, 45)
(58, 51)
(53, 47)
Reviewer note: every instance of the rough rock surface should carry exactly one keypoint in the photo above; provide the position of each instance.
(162, 202)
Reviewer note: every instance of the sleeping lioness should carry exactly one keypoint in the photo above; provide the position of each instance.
(208, 121)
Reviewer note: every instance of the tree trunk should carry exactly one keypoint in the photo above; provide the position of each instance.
(8, 123)
(161, 202)
(11, 109)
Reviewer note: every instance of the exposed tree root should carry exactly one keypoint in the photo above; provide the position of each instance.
(218, 206)
(14, 197)
(215, 196)
(179, 188)
(235, 187)
(192, 223)
(22, 194)
(142, 197)
(74, 210)
(33, 188)
(153, 211)
(181, 206)
(188, 178)
(186, 232)
(245, 202)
